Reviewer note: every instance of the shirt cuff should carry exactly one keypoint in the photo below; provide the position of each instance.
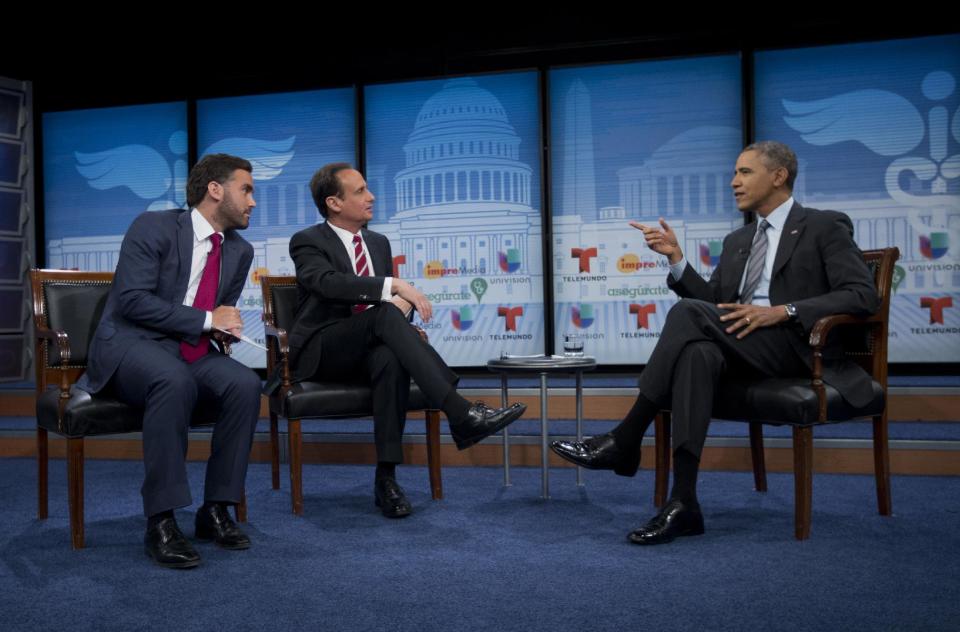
(676, 269)
(387, 293)
(208, 322)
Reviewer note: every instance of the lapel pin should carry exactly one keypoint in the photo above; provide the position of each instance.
(794, 231)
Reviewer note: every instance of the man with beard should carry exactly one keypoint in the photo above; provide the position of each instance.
(179, 275)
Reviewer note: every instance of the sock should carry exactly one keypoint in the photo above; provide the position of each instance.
(385, 470)
(685, 469)
(455, 407)
(156, 518)
(629, 433)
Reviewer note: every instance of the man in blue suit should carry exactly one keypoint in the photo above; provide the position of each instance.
(179, 276)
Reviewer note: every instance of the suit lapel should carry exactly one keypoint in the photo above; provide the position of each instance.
(335, 247)
(377, 255)
(228, 263)
(185, 239)
(741, 251)
(792, 232)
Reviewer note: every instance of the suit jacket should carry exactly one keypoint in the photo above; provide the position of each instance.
(818, 267)
(149, 285)
(327, 287)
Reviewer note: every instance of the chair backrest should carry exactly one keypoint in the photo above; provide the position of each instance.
(71, 302)
(279, 300)
(279, 308)
(882, 263)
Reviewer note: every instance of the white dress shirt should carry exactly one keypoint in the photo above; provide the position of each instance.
(201, 248)
(347, 238)
(777, 218)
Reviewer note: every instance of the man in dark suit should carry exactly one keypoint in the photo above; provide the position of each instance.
(352, 321)
(776, 277)
(178, 278)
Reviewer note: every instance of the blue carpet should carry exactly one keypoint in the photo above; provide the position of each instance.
(489, 558)
(909, 430)
(602, 380)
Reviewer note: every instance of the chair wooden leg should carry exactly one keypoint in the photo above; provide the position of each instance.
(881, 464)
(75, 487)
(296, 465)
(240, 509)
(42, 469)
(274, 451)
(802, 479)
(756, 452)
(433, 453)
(661, 426)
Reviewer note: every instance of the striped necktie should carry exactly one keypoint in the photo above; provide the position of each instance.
(758, 257)
(362, 268)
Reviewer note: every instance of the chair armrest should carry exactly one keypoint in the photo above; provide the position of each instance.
(223, 340)
(423, 334)
(280, 335)
(818, 335)
(62, 340)
(818, 339)
(278, 370)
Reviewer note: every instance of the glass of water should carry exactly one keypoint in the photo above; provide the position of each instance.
(572, 345)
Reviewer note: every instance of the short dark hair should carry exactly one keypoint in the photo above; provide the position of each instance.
(325, 182)
(774, 155)
(212, 168)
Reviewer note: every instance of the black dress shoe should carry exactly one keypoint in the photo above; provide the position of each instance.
(167, 546)
(674, 520)
(389, 497)
(214, 523)
(599, 453)
(482, 421)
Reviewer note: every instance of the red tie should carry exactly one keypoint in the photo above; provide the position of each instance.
(362, 268)
(205, 299)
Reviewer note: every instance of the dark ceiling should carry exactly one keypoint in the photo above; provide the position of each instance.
(88, 69)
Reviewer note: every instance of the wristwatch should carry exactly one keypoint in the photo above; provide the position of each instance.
(791, 311)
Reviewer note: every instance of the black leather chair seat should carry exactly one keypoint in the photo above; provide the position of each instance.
(777, 400)
(337, 399)
(88, 415)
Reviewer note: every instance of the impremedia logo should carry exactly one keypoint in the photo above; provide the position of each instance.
(584, 255)
(462, 318)
(643, 311)
(510, 260)
(934, 245)
(435, 270)
(510, 316)
(710, 253)
(583, 315)
(628, 263)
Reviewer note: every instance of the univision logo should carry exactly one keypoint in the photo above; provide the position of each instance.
(462, 318)
(583, 315)
(710, 253)
(935, 245)
(510, 260)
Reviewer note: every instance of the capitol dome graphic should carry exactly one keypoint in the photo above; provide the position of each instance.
(463, 197)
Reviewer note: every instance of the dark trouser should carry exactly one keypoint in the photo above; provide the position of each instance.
(693, 354)
(168, 389)
(379, 346)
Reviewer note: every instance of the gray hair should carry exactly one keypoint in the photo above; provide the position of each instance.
(774, 155)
